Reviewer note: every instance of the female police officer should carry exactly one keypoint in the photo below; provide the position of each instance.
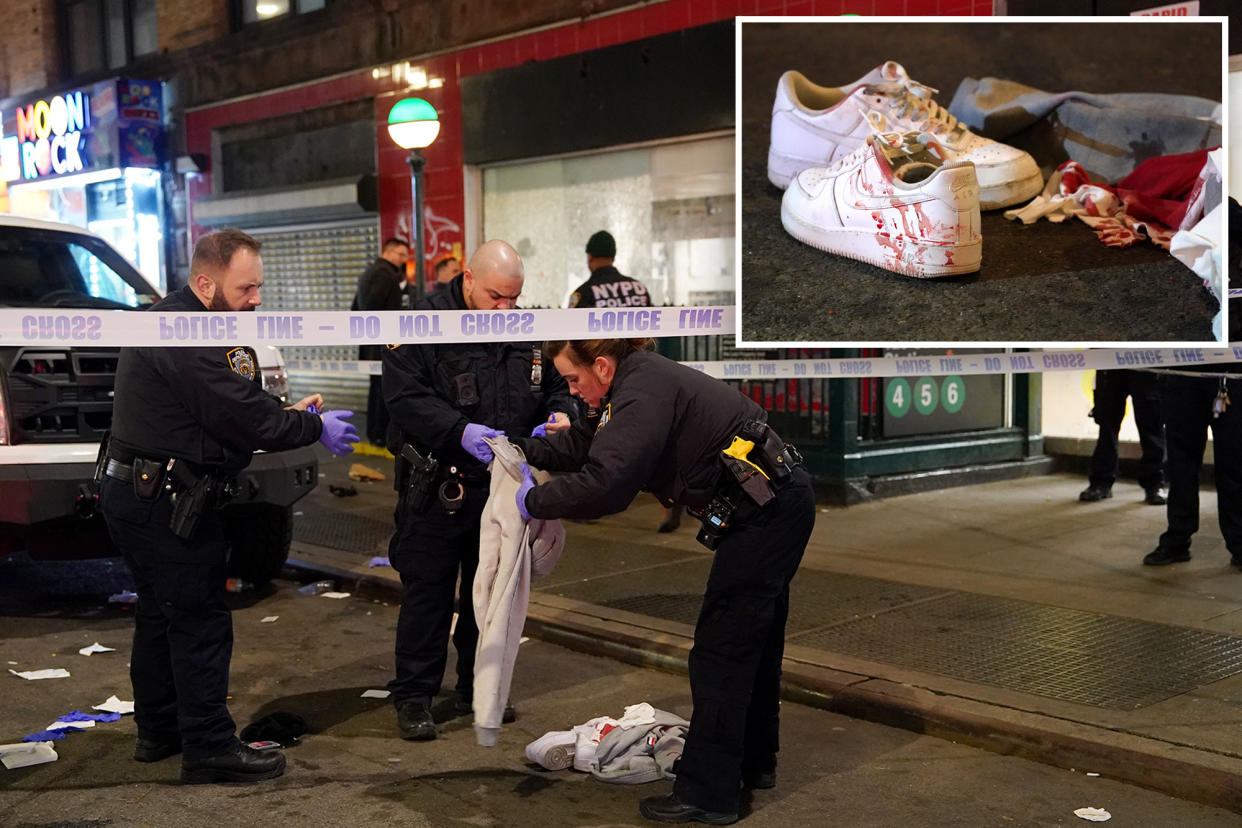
(683, 435)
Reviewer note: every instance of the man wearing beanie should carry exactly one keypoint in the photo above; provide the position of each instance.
(607, 288)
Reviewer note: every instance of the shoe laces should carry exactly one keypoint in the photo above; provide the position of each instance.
(910, 99)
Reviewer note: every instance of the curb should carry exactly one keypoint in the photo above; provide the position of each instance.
(1183, 772)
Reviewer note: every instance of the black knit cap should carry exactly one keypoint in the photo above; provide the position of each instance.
(602, 245)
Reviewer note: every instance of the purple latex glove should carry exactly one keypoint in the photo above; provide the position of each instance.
(528, 483)
(541, 430)
(338, 432)
(472, 441)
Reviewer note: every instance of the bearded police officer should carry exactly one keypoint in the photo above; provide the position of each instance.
(607, 288)
(444, 400)
(186, 420)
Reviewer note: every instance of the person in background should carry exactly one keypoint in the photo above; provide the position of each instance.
(380, 289)
(1109, 409)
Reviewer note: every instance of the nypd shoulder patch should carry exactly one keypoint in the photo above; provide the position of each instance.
(604, 416)
(241, 362)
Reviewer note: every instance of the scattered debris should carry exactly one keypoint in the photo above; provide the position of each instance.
(114, 705)
(96, 648)
(360, 472)
(27, 753)
(378, 560)
(45, 736)
(317, 588)
(375, 694)
(1093, 814)
(268, 619)
(343, 491)
(334, 595)
(35, 675)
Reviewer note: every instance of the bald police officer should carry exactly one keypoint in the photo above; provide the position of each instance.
(186, 420)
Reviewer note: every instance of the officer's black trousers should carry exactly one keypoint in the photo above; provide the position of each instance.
(735, 665)
(1188, 415)
(429, 550)
(183, 631)
(1111, 390)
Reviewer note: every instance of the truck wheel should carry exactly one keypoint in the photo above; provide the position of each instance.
(259, 535)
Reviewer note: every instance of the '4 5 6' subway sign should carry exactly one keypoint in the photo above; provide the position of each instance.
(52, 135)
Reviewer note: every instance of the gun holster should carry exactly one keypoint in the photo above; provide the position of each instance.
(191, 495)
(420, 488)
(87, 501)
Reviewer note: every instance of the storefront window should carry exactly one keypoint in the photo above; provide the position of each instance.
(669, 207)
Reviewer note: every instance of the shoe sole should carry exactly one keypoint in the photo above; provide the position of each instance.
(864, 246)
(722, 819)
(209, 776)
(420, 736)
(1166, 561)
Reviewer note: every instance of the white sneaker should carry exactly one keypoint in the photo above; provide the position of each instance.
(894, 203)
(812, 126)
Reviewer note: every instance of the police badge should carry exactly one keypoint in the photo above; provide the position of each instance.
(241, 362)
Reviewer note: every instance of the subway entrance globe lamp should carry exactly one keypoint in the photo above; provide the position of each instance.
(413, 124)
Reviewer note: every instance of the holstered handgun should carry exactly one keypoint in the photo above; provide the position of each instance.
(87, 501)
(422, 477)
(192, 494)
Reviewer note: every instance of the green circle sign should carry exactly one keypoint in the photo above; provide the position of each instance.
(926, 395)
(953, 394)
(897, 400)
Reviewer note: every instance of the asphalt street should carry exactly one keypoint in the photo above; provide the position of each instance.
(319, 656)
(1038, 283)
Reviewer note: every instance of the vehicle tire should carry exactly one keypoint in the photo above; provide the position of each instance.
(259, 535)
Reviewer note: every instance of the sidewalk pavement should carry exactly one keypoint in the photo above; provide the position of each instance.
(1005, 615)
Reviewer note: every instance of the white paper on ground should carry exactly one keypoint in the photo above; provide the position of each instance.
(1093, 814)
(114, 705)
(71, 725)
(35, 675)
(269, 619)
(376, 694)
(27, 753)
(96, 648)
(334, 595)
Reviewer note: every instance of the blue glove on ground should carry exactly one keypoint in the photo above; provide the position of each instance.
(338, 432)
(541, 430)
(528, 483)
(472, 441)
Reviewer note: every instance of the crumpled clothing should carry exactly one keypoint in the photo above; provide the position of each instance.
(1109, 135)
(641, 752)
(1150, 202)
(511, 552)
(1198, 243)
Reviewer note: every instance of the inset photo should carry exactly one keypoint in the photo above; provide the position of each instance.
(1017, 181)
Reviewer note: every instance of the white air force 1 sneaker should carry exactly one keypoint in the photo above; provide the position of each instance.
(896, 203)
(812, 126)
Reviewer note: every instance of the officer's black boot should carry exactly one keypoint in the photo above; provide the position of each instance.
(1095, 492)
(415, 722)
(155, 748)
(241, 764)
(669, 808)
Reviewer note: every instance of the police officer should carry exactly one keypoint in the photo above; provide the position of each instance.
(187, 419)
(444, 400)
(381, 287)
(607, 288)
(693, 440)
(1108, 410)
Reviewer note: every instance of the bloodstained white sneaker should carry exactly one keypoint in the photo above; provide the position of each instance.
(812, 126)
(894, 203)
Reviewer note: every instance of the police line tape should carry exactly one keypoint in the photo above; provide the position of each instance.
(1029, 362)
(31, 326)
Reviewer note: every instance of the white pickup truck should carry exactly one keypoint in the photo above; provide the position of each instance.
(56, 404)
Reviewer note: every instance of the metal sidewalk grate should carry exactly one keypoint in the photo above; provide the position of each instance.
(339, 530)
(1065, 654)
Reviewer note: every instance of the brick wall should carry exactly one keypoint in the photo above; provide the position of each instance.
(184, 25)
(29, 60)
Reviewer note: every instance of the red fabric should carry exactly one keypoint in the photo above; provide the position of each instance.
(1159, 189)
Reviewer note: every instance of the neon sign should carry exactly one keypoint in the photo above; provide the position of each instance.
(52, 133)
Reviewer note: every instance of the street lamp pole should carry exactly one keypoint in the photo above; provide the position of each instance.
(416, 161)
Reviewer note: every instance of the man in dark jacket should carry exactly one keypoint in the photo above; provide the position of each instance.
(607, 288)
(186, 420)
(444, 400)
(380, 288)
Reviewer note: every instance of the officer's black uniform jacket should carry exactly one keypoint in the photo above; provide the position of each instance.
(661, 428)
(613, 289)
(380, 288)
(205, 405)
(433, 391)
